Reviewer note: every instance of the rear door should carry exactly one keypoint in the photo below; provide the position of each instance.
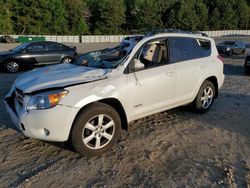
(189, 67)
(54, 53)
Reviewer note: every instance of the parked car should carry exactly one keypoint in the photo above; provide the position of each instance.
(36, 54)
(247, 65)
(230, 48)
(7, 39)
(89, 101)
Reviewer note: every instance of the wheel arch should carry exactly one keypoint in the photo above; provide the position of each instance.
(113, 102)
(3, 64)
(214, 80)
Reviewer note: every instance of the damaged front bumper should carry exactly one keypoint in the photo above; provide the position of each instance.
(51, 124)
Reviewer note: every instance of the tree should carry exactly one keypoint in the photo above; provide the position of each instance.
(146, 15)
(222, 14)
(242, 12)
(76, 12)
(107, 16)
(31, 17)
(6, 25)
(182, 15)
(59, 23)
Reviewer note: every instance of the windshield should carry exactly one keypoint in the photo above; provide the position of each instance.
(20, 47)
(229, 43)
(107, 58)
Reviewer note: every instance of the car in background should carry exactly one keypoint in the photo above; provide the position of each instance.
(7, 39)
(247, 65)
(36, 54)
(230, 48)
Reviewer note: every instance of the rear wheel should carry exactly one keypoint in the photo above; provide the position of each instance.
(247, 70)
(205, 97)
(67, 60)
(11, 66)
(96, 129)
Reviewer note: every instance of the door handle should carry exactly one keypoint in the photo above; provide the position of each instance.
(170, 74)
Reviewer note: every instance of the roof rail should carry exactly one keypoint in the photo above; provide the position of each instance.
(176, 31)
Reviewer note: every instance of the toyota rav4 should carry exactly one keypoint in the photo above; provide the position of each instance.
(89, 101)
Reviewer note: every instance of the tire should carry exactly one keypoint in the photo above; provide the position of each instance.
(205, 97)
(89, 127)
(11, 66)
(247, 70)
(67, 60)
(230, 53)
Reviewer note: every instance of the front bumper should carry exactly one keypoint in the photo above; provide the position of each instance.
(222, 50)
(35, 123)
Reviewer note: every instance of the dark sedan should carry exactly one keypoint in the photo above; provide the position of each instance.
(35, 54)
(247, 65)
(231, 47)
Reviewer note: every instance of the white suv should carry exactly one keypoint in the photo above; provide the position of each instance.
(90, 101)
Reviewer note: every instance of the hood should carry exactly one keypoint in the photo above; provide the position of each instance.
(6, 53)
(58, 76)
(223, 46)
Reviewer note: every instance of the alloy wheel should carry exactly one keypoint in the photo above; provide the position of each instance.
(67, 60)
(12, 66)
(207, 97)
(98, 131)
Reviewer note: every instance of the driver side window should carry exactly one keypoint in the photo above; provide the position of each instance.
(152, 54)
(36, 48)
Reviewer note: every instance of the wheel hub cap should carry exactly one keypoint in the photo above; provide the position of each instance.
(207, 97)
(12, 66)
(98, 131)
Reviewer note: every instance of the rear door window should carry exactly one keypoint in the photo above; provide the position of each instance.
(55, 47)
(182, 49)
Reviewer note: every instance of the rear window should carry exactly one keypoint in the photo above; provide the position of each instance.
(204, 48)
(229, 43)
(182, 49)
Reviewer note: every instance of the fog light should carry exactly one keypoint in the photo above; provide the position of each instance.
(46, 132)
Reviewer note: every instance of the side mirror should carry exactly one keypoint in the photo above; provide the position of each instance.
(137, 65)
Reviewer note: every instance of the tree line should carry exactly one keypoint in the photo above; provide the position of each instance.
(79, 17)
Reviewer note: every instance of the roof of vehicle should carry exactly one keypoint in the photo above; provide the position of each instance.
(37, 42)
(164, 33)
(179, 31)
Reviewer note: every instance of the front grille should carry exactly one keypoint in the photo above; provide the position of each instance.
(19, 96)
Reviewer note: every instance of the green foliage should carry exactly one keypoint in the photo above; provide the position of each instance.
(5, 17)
(78, 17)
(107, 16)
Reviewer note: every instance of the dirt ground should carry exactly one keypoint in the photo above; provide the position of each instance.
(176, 148)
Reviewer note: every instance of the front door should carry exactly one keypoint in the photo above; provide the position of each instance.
(152, 88)
(33, 54)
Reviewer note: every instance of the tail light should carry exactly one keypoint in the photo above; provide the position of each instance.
(220, 58)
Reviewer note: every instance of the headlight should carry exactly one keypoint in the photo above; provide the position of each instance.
(228, 49)
(45, 100)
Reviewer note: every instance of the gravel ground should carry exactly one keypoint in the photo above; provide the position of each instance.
(176, 148)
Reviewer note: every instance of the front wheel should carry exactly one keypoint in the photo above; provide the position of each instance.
(96, 129)
(11, 66)
(205, 97)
